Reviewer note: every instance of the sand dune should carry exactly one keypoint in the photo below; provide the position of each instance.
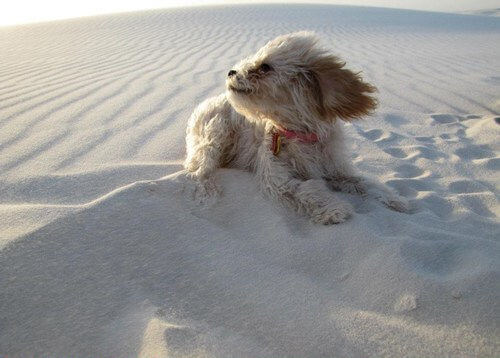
(103, 252)
(484, 12)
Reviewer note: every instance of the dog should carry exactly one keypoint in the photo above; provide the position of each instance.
(281, 119)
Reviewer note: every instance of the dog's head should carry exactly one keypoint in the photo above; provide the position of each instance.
(293, 79)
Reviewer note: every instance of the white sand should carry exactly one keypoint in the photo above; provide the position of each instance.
(104, 255)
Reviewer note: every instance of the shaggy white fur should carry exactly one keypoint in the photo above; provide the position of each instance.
(291, 83)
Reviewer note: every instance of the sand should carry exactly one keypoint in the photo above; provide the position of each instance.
(103, 253)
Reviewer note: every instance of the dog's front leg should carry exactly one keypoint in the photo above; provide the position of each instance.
(386, 195)
(354, 184)
(201, 166)
(200, 170)
(342, 176)
(207, 139)
(310, 196)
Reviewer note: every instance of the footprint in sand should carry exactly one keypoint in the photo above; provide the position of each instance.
(396, 152)
(439, 206)
(467, 186)
(461, 133)
(471, 116)
(493, 163)
(445, 118)
(476, 204)
(425, 139)
(474, 151)
(381, 136)
(415, 151)
(372, 134)
(396, 120)
(410, 187)
(408, 171)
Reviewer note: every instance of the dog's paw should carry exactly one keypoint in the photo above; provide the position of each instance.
(348, 185)
(202, 191)
(332, 214)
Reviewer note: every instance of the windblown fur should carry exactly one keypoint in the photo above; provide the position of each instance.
(291, 83)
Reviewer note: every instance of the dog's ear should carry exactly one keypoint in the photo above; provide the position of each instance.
(339, 92)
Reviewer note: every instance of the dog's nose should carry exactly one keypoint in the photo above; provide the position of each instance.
(231, 73)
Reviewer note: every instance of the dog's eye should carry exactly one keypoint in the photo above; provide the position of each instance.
(265, 68)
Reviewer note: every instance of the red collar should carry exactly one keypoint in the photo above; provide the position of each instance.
(279, 133)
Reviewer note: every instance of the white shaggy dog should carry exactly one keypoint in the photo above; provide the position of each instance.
(280, 118)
